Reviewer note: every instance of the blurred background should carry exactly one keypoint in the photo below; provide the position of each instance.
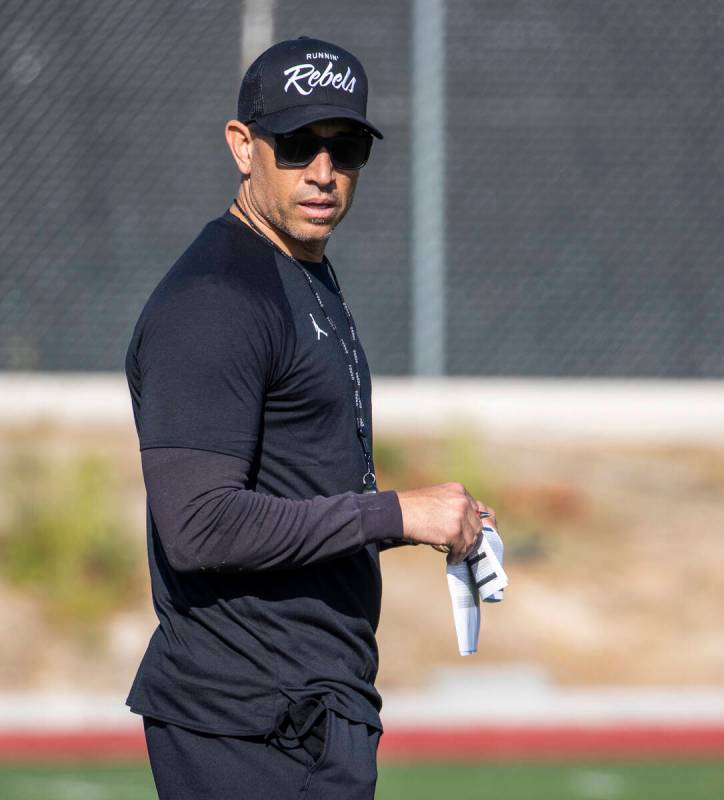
(534, 260)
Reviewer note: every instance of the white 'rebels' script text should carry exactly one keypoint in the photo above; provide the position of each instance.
(313, 77)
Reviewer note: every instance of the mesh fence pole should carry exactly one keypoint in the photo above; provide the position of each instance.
(428, 187)
(257, 29)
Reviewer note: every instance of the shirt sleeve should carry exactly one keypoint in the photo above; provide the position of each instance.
(394, 541)
(208, 520)
(205, 354)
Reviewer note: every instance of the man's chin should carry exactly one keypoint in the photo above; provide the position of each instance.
(312, 231)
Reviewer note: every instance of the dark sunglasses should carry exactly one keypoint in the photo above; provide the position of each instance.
(349, 150)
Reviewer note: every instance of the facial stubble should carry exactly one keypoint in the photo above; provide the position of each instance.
(278, 217)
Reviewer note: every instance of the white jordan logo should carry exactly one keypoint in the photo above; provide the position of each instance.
(317, 328)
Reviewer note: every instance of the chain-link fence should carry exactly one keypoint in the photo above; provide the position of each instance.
(582, 188)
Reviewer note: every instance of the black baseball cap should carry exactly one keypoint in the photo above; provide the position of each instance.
(303, 80)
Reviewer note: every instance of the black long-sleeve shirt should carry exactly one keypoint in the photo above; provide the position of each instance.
(208, 520)
(263, 553)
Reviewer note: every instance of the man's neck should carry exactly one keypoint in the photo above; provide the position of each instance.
(306, 251)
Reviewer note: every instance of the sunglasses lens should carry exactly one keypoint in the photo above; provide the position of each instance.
(347, 151)
(297, 149)
(350, 151)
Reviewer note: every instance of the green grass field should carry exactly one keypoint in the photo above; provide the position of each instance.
(560, 781)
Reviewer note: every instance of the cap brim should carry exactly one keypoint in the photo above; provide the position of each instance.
(292, 118)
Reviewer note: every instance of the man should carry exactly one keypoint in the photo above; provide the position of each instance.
(251, 397)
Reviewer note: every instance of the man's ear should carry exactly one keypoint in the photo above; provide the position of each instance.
(239, 139)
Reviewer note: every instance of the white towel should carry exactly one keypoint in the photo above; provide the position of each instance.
(486, 563)
(466, 606)
(480, 576)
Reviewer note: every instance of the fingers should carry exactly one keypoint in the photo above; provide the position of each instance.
(486, 512)
(475, 517)
(471, 500)
(461, 518)
(457, 556)
(474, 525)
(465, 541)
(477, 507)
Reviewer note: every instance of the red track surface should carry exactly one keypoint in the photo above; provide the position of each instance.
(415, 744)
(535, 743)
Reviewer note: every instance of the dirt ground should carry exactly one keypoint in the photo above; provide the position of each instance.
(616, 578)
(614, 553)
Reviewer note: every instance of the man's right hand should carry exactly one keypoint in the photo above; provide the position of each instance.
(444, 515)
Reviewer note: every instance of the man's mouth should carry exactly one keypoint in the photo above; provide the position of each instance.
(318, 203)
(319, 208)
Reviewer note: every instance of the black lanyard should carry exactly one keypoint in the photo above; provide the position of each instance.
(369, 482)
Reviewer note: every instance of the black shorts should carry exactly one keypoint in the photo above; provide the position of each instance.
(322, 757)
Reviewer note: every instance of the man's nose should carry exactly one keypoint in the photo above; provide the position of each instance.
(321, 169)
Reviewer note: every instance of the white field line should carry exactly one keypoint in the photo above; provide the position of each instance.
(496, 707)
(464, 705)
(555, 408)
(541, 408)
